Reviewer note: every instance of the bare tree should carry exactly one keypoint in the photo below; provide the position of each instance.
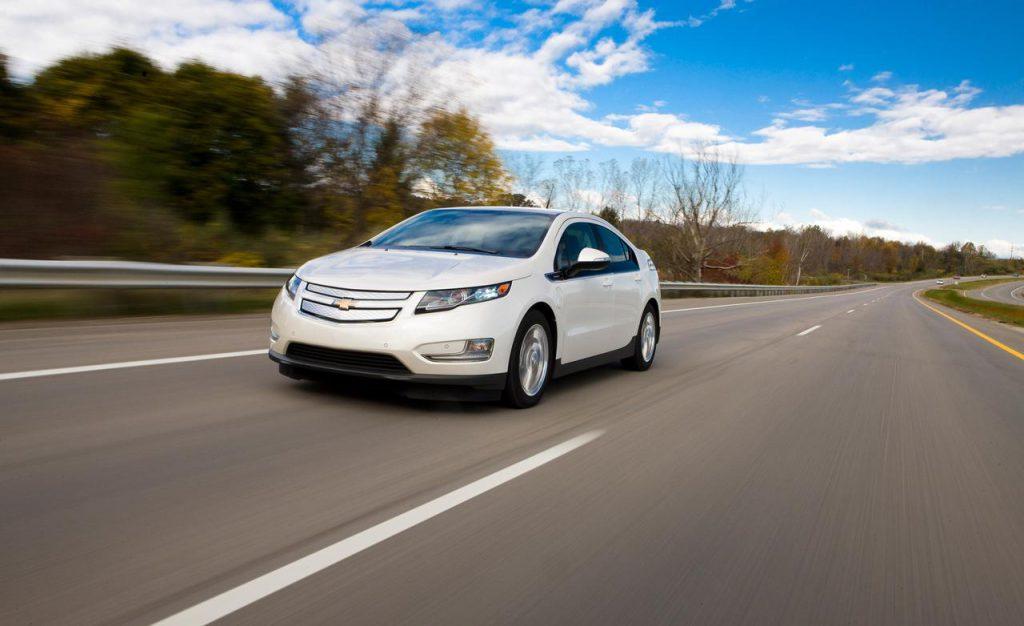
(644, 181)
(613, 183)
(575, 182)
(810, 249)
(525, 170)
(547, 189)
(706, 206)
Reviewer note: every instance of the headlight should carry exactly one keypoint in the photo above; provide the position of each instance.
(450, 298)
(292, 286)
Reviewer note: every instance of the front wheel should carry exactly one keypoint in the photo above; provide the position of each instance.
(645, 344)
(529, 368)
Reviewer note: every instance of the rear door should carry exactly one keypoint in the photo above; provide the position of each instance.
(587, 300)
(624, 275)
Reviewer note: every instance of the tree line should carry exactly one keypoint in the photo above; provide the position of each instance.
(691, 212)
(110, 155)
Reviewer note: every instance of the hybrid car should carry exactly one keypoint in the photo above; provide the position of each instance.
(500, 298)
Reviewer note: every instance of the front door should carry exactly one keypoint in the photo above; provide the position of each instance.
(587, 299)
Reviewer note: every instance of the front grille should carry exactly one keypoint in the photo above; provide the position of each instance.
(357, 294)
(370, 362)
(343, 316)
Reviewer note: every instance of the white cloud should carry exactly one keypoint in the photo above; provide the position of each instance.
(846, 226)
(810, 114)
(540, 143)
(881, 77)
(607, 61)
(910, 125)
(249, 36)
(1002, 248)
(528, 83)
(846, 67)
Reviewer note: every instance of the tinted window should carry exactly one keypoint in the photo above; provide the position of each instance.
(611, 244)
(503, 233)
(576, 237)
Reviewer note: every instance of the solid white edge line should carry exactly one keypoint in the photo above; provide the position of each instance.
(722, 306)
(809, 330)
(261, 587)
(116, 366)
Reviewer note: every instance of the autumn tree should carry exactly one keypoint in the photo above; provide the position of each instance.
(209, 145)
(457, 159)
(92, 93)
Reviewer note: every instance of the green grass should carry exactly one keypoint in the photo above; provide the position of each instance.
(1009, 313)
(26, 304)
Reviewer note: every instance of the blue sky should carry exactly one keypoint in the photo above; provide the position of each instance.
(903, 119)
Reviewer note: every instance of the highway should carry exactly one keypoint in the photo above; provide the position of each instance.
(1008, 293)
(852, 458)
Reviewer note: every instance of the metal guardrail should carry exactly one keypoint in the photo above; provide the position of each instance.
(133, 275)
(671, 289)
(21, 273)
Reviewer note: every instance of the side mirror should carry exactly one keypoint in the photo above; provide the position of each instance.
(589, 259)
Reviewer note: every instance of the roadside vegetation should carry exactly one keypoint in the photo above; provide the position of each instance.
(113, 156)
(954, 296)
(31, 304)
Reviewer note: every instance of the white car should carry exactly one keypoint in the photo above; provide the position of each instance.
(502, 298)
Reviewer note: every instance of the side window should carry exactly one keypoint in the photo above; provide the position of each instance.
(622, 258)
(576, 237)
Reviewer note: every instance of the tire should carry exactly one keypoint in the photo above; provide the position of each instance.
(639, 362)
(526, 383)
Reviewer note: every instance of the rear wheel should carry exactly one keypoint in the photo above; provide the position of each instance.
(646, 342)
(529, 368)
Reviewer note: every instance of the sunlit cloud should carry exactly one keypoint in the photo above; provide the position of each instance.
(528, 76)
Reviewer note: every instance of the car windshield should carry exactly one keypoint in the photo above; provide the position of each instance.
(476, 231)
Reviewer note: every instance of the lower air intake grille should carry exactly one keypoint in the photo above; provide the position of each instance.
(352, 360)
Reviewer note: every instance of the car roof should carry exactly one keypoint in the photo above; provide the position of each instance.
(521, 209)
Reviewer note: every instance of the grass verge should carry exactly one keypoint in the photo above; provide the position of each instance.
(26, 304)
(999, 311)
(971, 285)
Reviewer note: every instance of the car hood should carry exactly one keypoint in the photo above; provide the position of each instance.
(410, 270)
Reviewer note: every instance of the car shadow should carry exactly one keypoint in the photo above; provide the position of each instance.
(457, 400)
(431, 399)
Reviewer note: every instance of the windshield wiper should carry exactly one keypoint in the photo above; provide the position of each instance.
(463, 249)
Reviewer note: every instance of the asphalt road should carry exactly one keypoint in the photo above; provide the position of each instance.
(1009, 293)
(853, 458)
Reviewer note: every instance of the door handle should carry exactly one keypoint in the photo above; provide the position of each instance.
(638, 279)
(607, 282)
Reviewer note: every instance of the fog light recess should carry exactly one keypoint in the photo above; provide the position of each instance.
(461, 350)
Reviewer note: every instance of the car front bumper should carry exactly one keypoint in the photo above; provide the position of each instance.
(402, 338)
(479, 381)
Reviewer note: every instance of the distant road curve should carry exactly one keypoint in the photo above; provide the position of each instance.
(1008, 293)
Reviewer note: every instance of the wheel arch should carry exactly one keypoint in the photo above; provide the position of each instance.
(653, 302)
(549, 314)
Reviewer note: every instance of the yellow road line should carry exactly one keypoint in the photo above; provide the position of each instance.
(994, 342)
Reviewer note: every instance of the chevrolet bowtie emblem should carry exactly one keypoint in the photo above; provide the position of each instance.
(344, 304)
